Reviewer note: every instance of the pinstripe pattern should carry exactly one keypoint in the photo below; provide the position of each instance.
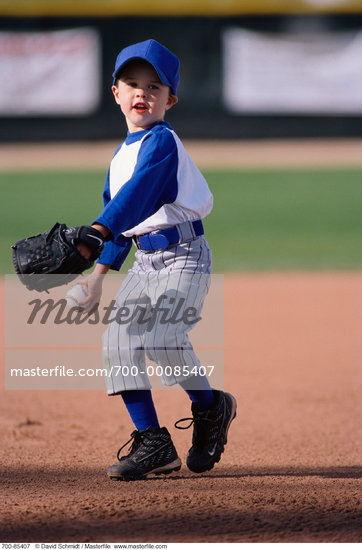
(176, 276)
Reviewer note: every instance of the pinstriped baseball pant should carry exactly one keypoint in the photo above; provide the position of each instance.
(157, 305)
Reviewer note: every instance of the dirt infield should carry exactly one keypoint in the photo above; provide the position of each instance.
(207, 154)
(292, 468)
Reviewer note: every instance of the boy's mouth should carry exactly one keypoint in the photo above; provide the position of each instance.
(140, 107)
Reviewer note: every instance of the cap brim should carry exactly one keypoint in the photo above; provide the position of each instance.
(160, 73)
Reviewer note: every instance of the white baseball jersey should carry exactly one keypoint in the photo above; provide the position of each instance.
(151, 184)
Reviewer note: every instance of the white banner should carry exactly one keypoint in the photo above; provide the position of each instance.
(292, 73)
(49, 73)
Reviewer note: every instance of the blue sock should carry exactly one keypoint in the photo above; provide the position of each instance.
(203, 397)
(141, 409)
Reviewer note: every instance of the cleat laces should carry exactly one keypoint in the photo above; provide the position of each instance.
(136, 437)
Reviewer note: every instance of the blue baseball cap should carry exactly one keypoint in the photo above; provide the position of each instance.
(165, 63)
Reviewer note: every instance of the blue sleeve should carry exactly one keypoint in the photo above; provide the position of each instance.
(153, 184)
(106, 191)
(114, 252)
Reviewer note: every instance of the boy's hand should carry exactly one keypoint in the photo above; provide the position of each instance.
(92, 285)
(84, 250)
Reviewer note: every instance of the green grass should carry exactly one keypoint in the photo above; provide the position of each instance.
(270, 219)
(286, 219)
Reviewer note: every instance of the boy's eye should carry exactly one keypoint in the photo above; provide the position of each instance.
(134, 84)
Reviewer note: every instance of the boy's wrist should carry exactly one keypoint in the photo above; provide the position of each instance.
(101, 269)
(84, 249)
(103, 230)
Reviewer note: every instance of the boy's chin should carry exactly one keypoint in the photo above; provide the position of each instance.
(137, 126)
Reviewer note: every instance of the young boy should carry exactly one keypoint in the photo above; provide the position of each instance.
(155, 197)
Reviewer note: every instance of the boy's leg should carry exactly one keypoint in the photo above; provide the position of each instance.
(152, 450)
(203, 397)
(123, 341)
(177, 299)
(141, 409)
(169, 346)
(210, 431)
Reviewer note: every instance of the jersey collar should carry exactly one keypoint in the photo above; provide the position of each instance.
(135, 136)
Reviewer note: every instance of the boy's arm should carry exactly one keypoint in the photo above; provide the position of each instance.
(114, 252)
(93, 285)
(152, 184)
(101, 269)
(102, 229)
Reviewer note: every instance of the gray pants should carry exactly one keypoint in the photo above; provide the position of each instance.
(159, 302)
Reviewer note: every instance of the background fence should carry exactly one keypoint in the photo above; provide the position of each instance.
(243, 74)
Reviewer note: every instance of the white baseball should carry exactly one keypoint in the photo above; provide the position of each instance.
(76, 294)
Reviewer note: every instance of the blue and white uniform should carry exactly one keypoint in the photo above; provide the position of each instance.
(153, 185)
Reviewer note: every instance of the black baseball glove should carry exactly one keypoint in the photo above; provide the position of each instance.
(52, 259)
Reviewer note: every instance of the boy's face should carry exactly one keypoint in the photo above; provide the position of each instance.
(142, 97)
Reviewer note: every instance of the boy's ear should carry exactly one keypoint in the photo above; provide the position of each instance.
(172, 100)
(115, 92)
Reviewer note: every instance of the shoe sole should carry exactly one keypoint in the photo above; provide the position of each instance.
(174, 466)
(232, 415)
(218, 457)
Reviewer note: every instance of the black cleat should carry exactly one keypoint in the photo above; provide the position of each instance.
(151, 452)
(210, 432)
